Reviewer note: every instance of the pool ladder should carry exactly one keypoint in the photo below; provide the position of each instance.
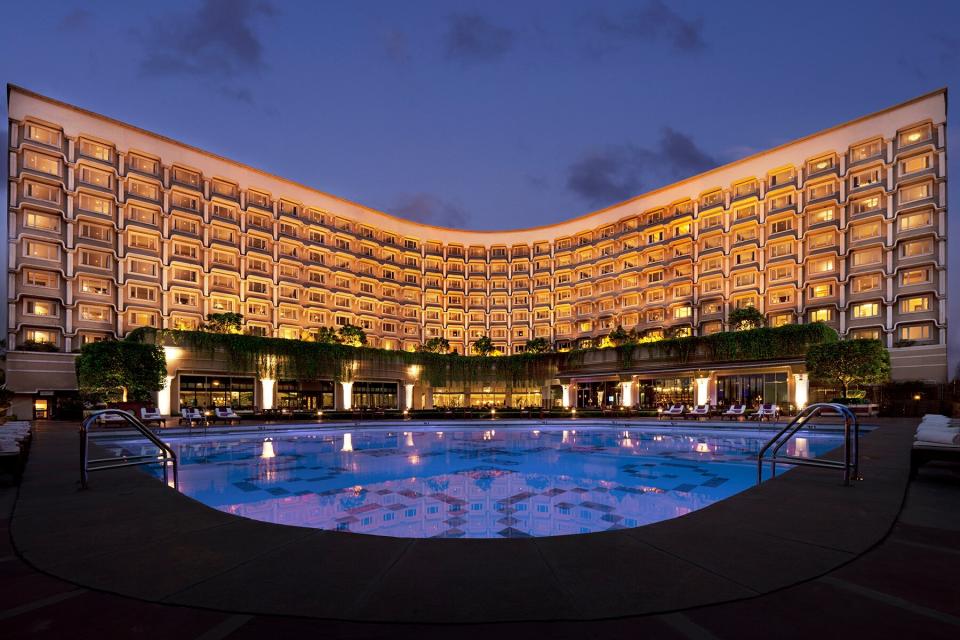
(166, 457)
(850, 465)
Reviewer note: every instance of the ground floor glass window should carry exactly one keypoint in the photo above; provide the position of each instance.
(753, 389)
(375, 395)
(216, 391)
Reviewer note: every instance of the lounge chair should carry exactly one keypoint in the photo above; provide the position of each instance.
(937, 438)
(735, 411)
(673, 411)
(768, 411)
(152, 414)
(189, 415)
(112, 420)
(700, 411)
(226, 414)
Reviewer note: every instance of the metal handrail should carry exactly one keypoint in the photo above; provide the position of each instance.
(851, 443)
(167, 457)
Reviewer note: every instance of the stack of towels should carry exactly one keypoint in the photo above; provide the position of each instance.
(938, 429)
(13, 437)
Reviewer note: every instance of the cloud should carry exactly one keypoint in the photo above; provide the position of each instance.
(473, 38)
(430, 209)
(75, 20)
(654, 21)
(616, 172)
(218, 39)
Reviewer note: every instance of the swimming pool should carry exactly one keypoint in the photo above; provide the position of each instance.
(472, 482)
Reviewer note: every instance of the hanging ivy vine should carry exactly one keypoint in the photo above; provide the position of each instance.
(282, 358)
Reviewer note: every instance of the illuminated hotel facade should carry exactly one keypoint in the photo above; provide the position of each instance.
(111, 228)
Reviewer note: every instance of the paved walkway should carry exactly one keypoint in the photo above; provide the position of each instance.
(906, 586)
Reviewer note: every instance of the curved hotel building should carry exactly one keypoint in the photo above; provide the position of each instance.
(111, 228)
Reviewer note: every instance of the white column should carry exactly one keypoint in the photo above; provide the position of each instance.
(703, 390)
(626, 394)
(347, 389)
(408, 396)
(801, 392)
(163, 397)
(267, 384)
(566, 396)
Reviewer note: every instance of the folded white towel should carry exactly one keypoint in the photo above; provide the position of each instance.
(925, 428)
(931, 418)
(941, 437)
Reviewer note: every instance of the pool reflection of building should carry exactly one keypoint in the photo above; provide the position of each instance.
(483, 483)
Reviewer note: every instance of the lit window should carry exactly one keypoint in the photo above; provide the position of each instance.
(42, 308)
(821, 291)
(40, 336)
(865, 231)
(865, 283)
(915, 248)
(866, 310)
(95, 177)
(867, 256)
(916, 332)
(43, 279)
(39, 162)
(42, 221)
(822, 215)
(867, 150)
(95, 150)
(915, 135)
(915, 276)
(910, 221)
(865, 334)
(41, 250)
(915, 164)
(916, 192)
(821, 315)
(43, 135)
(917, 304)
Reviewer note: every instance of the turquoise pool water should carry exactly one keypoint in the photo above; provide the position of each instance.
(472, 482)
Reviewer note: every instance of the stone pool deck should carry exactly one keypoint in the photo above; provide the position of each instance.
(130, 535)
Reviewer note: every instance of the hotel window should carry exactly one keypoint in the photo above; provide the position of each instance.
(257, 309)
(709, 286)
(223, 234)
(43, 135)
(745, 235)
(862, 205)
(148, 294)
(94, 259)
(143, 190)
(222, 188)
(289, 313)
(916, 192)
(94, 232)
(866, 310)
(95, 204)
(221, 281)
(41, 250)
(871, 333)
(94, 286)
(821, 315)
(916, 332)
(742, 213)
(866, 231)
(139, 214)
(95, 177)
(781, 297)
(779, 226)
(655, 295)
(867, 256)
(223, 211)
(141, 319)
(820, 291)
(41, 221)
(915, 135)
(917, 304)
(745, 280)
(222, 305)
(185, 176)
(745, 189)
(683, 290)
(179, 323)
(870, 282)
(184, 201)
(821, 164)
(822, 190)
(42, 163)
(94, 314)
(42, 279)
(915, 276)
(822, 215)
(781, 319)
(143, 268)
(745, 257)
(916, 248)
(712, 264)
(186, 275)
(185, 299)
(822, 265)
(910, 221)
(41, 308)
(865, 178)
(95, 150)
(142, 241)
(781, 249)
(744, 302)
(182, 250)
(866, 150)
(258, 199)
(781, 177)
(713, 220)
(143, 164)
(916, 164)
(655, 276)
(187, 226)
(712, 308)
(43, 192)
(42, 336)
(711, 199)
(821, 240)
(780, 273)
(655, 315)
